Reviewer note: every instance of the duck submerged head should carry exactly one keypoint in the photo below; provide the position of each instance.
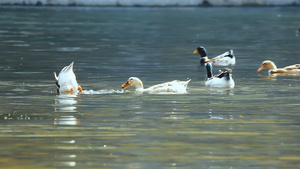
(133, 81)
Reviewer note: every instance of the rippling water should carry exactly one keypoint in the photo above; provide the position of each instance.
(254, 125)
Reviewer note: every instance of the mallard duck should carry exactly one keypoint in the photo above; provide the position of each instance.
(175, 86)
(224, 59)
(66, 81)
(268, 64)
(224, 79)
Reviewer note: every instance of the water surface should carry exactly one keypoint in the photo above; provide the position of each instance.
(254, 125)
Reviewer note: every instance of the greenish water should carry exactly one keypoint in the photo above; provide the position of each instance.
(254, 125)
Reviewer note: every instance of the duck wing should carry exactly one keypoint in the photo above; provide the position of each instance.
(229, 54)
(174, 86)
(292, 67)
(224, 59)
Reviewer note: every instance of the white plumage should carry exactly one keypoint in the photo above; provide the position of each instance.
(225, 59)
(224, 79)
(176, 86)
(66, 81)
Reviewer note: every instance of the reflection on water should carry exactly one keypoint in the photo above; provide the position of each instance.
(66, 103)
(273, 76)
(254, 125)
(66, 120)
(220, 91)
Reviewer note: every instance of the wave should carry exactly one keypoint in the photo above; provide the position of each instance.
(105, 91)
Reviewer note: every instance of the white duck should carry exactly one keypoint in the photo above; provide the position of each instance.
(224, 79)
(224, 59)
(66, 81)
(176, 86)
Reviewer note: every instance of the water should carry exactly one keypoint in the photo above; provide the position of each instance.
(254, 125)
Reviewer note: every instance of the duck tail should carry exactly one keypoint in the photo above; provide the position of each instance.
(55, 76)
(231, 54)
(209, 70)
(68, 68)
(187, 82)
(56, 82)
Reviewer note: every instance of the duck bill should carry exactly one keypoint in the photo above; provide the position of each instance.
(126, 85)
(259, 69)
(195, 51)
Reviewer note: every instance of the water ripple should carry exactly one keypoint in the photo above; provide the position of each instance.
(105, 91)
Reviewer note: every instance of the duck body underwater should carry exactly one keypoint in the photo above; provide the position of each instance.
(66, 81)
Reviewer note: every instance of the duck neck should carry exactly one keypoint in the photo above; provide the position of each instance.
(139, 87)
(228, 76)
(273, 66)
(209, 70)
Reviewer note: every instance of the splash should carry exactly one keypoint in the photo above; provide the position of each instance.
(105, 91)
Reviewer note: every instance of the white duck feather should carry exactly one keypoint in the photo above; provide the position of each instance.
(224, 79)
(66, 81)
(175, 86)
(224, 59)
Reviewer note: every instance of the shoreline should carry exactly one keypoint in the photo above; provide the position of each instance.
(151, 3)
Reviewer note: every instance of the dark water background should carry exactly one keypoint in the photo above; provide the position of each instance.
(254, 125)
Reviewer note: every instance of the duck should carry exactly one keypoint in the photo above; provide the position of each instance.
(66, 81)
(225, 59)
(298, 31)
(268, 64)
(175, 86)
(223, 79)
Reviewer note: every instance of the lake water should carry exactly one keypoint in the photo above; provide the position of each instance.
(254, 125)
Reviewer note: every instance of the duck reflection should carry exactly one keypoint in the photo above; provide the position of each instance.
(66, 120)
(272, 77)
(66, 104)
(269, 77)
(220, 91)
(66, 164)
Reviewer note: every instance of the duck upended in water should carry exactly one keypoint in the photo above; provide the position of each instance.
(66, 81)
(176, 86)
(224, 79)
(268, 64)
(224, 59)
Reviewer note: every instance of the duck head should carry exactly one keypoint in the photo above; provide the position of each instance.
(267, 64)
(133, 81)
(201, 50)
